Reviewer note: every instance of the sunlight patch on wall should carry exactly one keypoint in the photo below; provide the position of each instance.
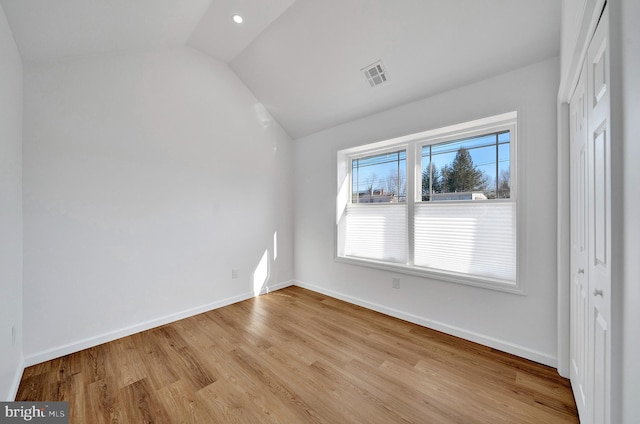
(261, 274)
(275, 245)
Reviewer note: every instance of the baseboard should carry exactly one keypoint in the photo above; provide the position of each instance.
(273, 287)
(13, 391)
(79, 345)
(502, 345)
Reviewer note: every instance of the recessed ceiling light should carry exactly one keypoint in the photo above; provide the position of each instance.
(237, 19)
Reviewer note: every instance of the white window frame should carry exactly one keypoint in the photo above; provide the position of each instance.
(413, 145)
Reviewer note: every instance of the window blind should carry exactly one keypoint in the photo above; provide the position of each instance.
(377, 232)
(476, 238)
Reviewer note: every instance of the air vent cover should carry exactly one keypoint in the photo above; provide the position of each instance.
(375, 73)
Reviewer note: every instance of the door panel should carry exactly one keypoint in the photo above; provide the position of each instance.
(590, 156)
(600, 361)
(599, 73)
(579, 245)
(599, 223)
(600, 196)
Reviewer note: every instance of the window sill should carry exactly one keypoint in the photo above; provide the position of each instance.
(450, 277)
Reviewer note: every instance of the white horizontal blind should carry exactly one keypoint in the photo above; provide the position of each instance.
(377, 231)
(475, 238)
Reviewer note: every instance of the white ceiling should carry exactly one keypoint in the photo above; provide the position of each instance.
(302, 58)
(305, 68)
(220, 37)
(54, 29)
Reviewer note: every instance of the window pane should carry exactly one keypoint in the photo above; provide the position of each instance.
(380, 178)
(504, 171)
(484, 160)
(467, 169)
(467, 143)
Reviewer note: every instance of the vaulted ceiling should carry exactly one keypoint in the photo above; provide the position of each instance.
(303, 58)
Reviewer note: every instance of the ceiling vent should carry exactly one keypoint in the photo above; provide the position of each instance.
(375, 73)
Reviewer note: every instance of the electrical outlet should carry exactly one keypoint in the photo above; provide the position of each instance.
(395, 283)
(13, 335)
(234, 274)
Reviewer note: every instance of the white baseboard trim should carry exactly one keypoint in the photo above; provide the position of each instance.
(79, 345)
(273, 287)
(502, 345)
(13, 391)
(63, 350)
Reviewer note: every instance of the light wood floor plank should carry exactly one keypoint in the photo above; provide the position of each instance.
(295, 356)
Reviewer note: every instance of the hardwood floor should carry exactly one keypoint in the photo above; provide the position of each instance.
(295, 356)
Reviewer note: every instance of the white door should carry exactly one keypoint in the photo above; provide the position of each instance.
(599, 219)
(579, 246)
(590, 154)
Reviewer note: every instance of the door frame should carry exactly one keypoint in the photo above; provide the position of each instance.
(588, 18)
(574, 54)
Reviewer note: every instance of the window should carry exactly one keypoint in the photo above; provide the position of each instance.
(380, 178)
(468, 169)
(376, 219)
(441, 203)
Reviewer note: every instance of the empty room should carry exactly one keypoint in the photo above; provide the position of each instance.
(322, 211)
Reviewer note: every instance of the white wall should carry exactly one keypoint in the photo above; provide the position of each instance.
(10, 212)
(525, 325)
(147, 178)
